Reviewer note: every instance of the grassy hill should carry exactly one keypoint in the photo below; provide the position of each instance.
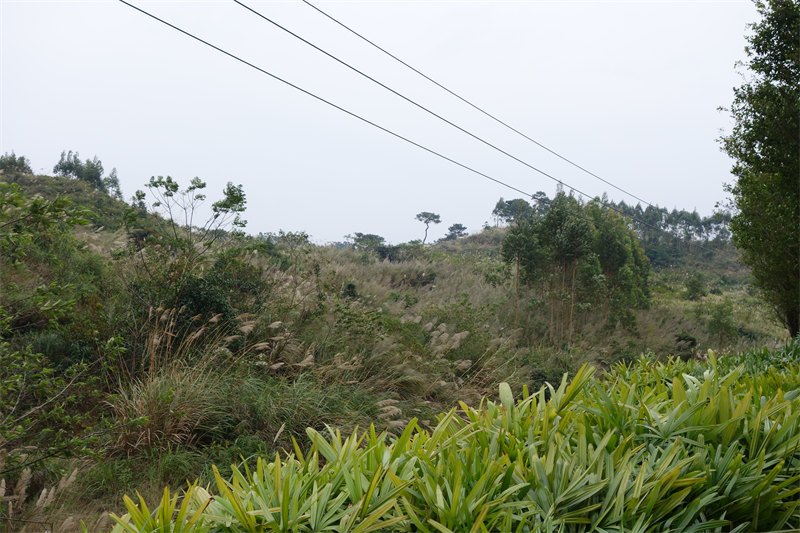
(159, 351)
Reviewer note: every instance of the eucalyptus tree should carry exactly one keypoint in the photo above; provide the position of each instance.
(577, 261)
(12, 164)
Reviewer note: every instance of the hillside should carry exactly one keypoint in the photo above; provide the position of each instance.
(158, 349)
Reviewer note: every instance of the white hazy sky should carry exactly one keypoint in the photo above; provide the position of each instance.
(627, 89)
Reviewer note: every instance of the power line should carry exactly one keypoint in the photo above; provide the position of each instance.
(323, 100)
(475, 106)
(429, 111)
(367, 121)
(413, 102)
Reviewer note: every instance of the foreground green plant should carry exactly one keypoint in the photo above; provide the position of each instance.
(651, 447)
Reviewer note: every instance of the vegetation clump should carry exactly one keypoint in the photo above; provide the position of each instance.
(651, 446)
(578, 260)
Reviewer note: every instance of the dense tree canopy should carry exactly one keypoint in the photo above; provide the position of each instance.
(508, 211)
(578, 258)
(367, 241)
(455, 231)
(12, 163)
(90, 171)
(765, 147)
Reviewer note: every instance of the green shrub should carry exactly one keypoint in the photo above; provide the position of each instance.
(696, 286)
(112, 476)
(651, 447)
(44, 411)
(721, 323)
(176, 405)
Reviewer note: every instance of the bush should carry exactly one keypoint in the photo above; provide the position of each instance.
(721, 323)
(650, 447)
(44, 411)
(177, 405)
(696, 286)
(113, 476)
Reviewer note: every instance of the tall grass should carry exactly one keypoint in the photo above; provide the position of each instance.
(176, 405)
(648, 447)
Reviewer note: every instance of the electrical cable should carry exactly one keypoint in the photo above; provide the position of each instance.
(433, 113)
(323, 100)
(413, 102)
(475, 106)
(374, 124)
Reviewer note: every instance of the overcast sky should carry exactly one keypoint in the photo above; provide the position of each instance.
(630, 90)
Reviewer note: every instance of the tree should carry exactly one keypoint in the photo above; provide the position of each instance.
(11, 163)
(428, 218)
(696, 286)
(90, 171)
(181, 209)
(567, 232)
(578, 258)
(541, 203)
(512, 210)
(765, 147)
(175, 262)
(455, 231)
(624, 269)
(111, 183)
(366, 241)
